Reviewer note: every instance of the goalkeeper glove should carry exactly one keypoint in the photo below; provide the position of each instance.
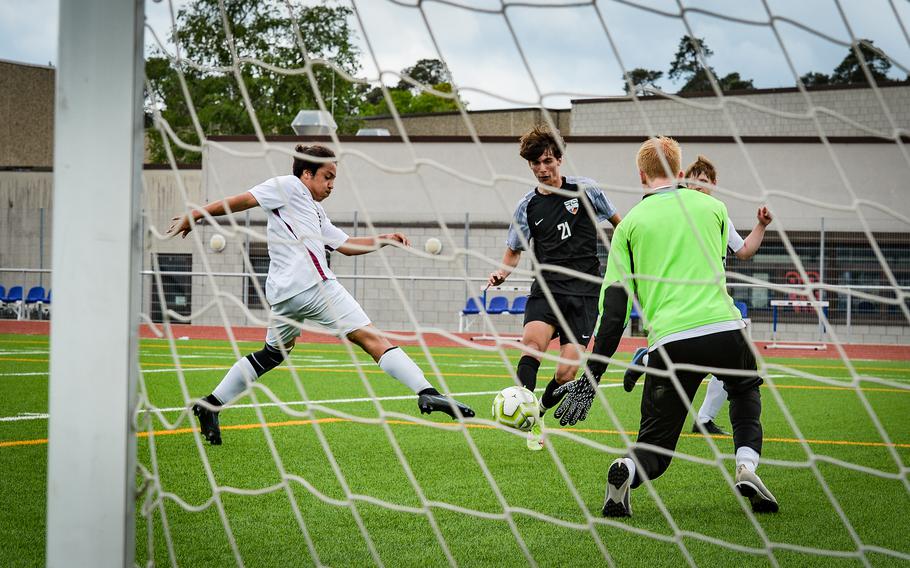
(579, 395)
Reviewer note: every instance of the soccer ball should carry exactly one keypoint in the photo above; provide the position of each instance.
(516, 407)
(433, 245)
(217, 242)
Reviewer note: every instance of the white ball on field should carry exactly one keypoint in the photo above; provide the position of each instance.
(217, 242)
(433, 245)
(516, 407)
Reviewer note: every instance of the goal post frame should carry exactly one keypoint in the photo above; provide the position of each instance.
(96, 260)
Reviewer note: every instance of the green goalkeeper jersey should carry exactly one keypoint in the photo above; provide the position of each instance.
(674, 242)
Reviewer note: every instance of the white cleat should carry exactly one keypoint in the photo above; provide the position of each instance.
(535, 436)
(618, 501)
(751, 487)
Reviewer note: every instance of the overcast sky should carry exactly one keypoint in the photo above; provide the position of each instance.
(524, 55)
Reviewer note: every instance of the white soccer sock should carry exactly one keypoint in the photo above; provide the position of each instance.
(631, 465)
(714, 399)
(396, 363)
(235, 381)
(748, 457)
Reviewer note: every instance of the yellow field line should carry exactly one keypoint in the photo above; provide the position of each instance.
(504, 376)
(483, 376)
(453, 426)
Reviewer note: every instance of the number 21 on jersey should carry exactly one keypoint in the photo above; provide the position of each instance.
(564, 229)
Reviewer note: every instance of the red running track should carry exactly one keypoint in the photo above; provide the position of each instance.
(853, 351)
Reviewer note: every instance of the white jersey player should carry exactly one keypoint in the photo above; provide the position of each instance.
(301, 286)
(702, 176)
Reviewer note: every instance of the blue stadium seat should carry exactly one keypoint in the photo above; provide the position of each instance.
(34, 302)
(743, 309)
(14, 295)
(2, 294)
(518, 305)
(471, 307)
(35, 295)
(498, 305)
(12, 302)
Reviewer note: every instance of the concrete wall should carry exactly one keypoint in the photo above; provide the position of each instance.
(429, 181)
(513, 123)
(781, 112)
(26, 115)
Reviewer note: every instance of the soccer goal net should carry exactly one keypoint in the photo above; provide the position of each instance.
(327, 459)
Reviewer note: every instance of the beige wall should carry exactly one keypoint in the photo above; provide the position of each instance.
(26, 115)
(486, 123)
(429, 181)
(840, 112)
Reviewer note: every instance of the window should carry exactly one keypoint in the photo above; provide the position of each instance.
(259, 261)
(176, 289)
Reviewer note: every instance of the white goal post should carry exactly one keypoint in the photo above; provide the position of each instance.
(94, 339)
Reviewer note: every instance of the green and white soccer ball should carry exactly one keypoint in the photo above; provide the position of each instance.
(516, 407)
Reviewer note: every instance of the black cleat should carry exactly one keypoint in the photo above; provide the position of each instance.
(618, 501)
(710, 428)
(438, 403)
(208, 424)
(631, 376)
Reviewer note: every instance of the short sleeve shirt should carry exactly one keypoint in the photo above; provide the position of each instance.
(562, 234)
(734, 241)
(298, 233)
(669, 250)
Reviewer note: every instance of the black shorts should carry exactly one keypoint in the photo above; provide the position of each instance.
(580, 313)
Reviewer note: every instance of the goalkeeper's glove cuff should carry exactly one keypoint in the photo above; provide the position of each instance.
(596, 370)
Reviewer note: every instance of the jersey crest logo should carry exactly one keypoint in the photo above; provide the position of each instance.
(572, 205)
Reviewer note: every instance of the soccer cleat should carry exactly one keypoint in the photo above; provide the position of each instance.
(535, 436)
(750, 486)
(438, 403)
(208, 424)
(631, 376)
(710, 427)
(617, 502)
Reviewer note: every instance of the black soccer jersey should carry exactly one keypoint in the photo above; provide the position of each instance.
(561, 234)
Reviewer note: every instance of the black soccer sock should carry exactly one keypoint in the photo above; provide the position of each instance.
(213, 400)
(527, 372)
(265, 359)
(549, 400)
(430, 390)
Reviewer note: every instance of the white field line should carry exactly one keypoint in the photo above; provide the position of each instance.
(37, 416)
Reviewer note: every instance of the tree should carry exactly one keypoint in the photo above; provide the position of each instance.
(642, 79)
(425, 71)
(850, 71)
(409, 99)
(685, 63)
(262, 31)
(733, 82)
(407, 102)
(814, 79)
(686, 66)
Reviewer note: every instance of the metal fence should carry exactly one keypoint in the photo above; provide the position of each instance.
(863, 279)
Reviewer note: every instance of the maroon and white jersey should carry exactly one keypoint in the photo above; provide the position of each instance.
(298, 233)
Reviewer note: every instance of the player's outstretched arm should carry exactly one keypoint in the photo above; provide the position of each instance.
(183, 224)
(754, 240)
(510, 259)
(362, 245)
